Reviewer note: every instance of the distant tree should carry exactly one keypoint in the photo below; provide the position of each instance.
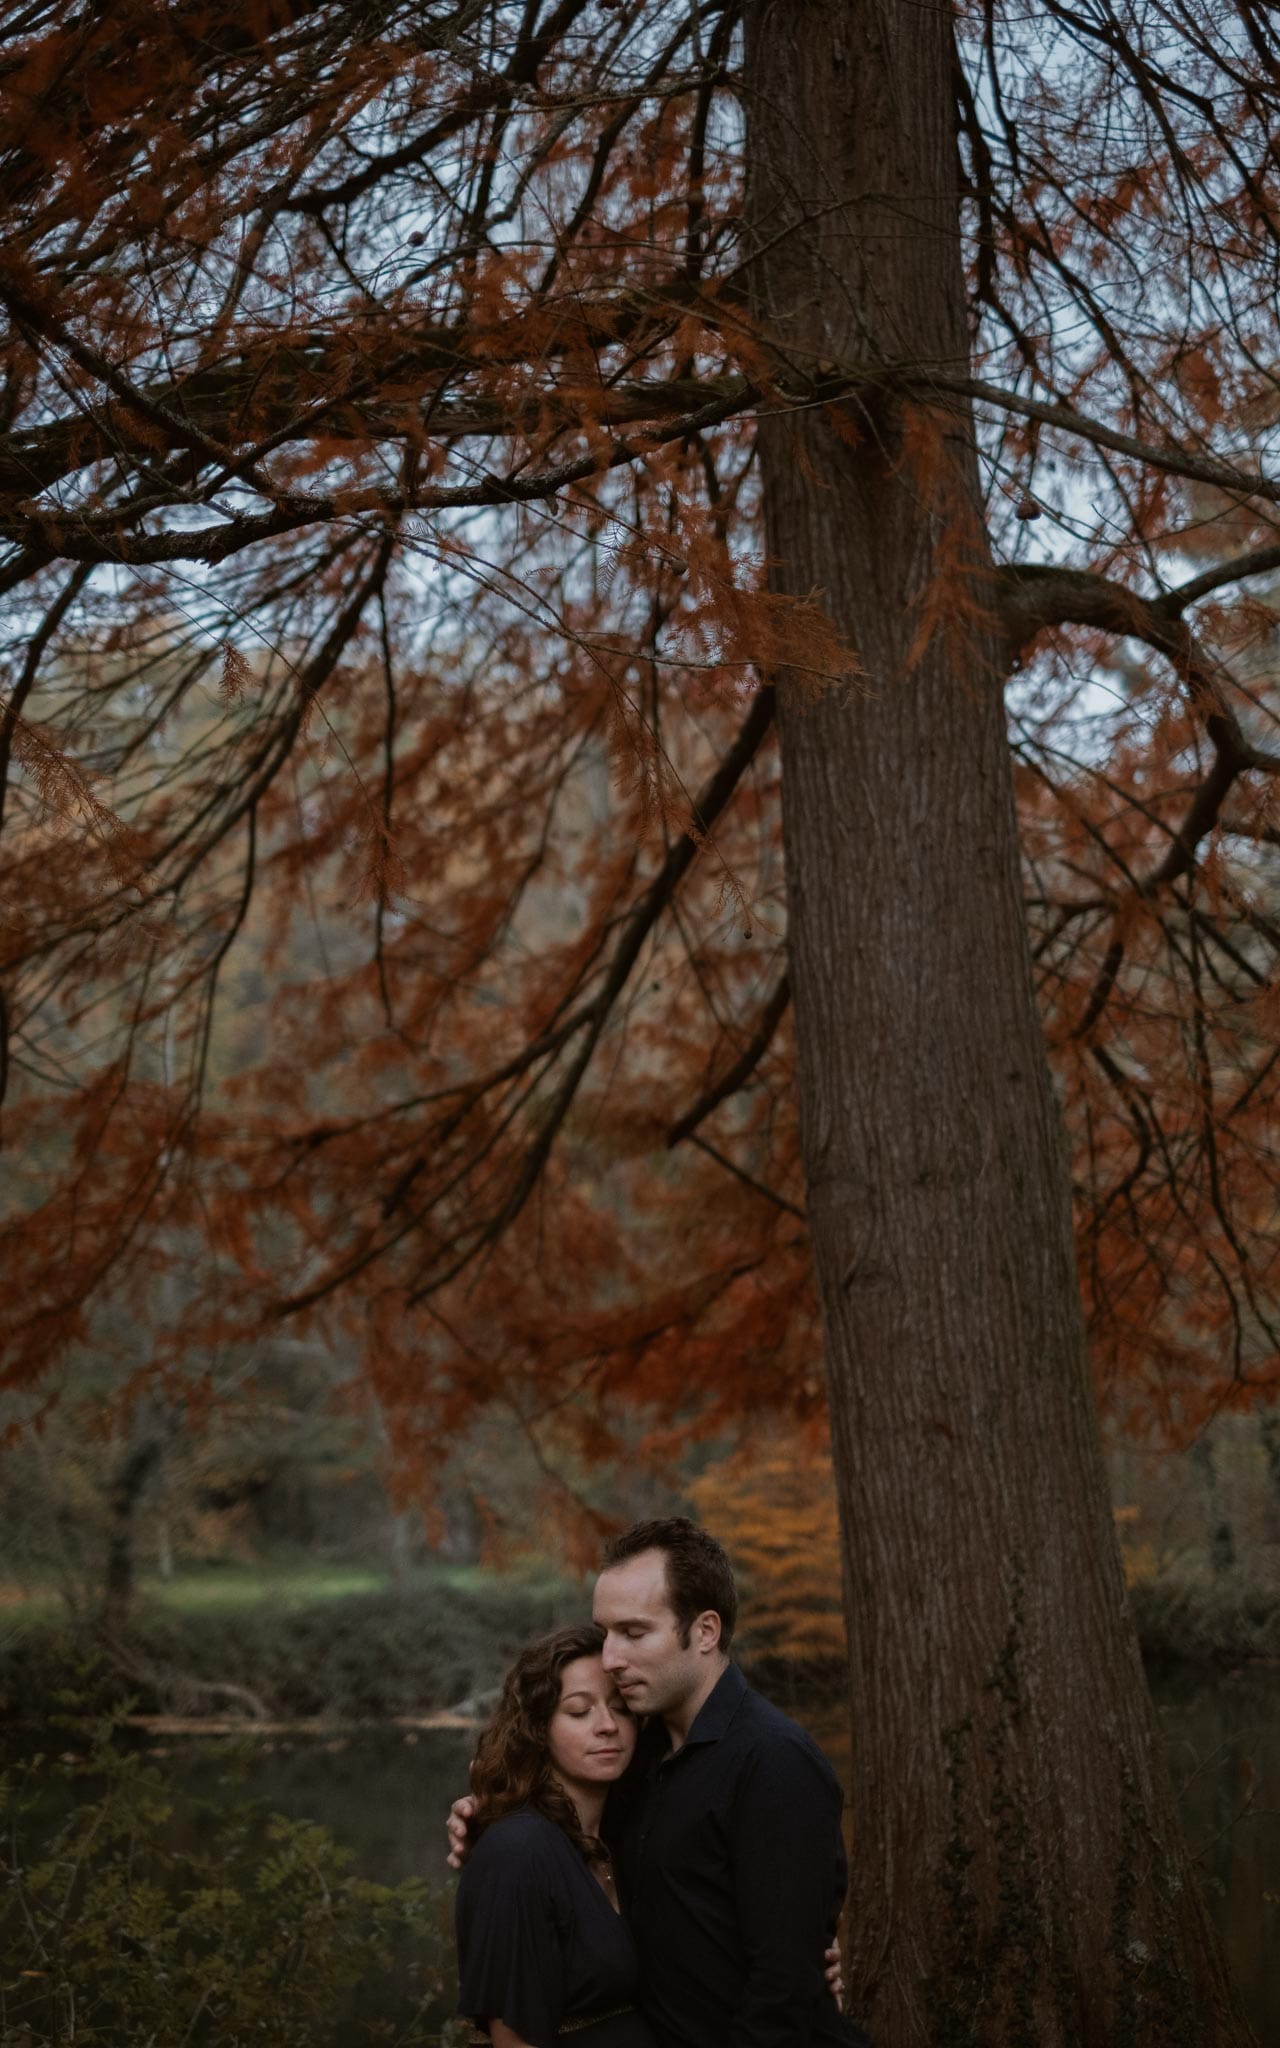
(848, 421)
(95, 1500)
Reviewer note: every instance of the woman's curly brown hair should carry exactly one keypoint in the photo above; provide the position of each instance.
(513, 1758)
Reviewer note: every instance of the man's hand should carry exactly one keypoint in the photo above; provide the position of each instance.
(456, 1829)
(835, 1982)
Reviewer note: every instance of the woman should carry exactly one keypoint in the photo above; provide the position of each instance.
(543, 1951)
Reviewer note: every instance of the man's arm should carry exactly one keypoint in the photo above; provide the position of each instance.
(788, 1868)
(502, 2037)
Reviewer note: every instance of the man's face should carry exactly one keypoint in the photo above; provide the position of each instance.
(653, 1670)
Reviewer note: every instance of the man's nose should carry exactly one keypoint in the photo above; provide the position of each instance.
(611, 1656)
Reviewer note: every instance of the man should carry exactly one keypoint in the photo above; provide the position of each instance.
(727, 1841)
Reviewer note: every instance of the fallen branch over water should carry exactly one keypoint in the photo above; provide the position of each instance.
(315, 1725)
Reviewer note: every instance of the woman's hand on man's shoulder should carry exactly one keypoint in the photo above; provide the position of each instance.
(456, 1828)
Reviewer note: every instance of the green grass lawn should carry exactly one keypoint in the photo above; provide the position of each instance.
(231, 1588)
(225, 1588)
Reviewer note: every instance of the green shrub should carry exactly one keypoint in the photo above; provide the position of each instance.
(1225, 1618)
(121, 1928)
(365, 1655)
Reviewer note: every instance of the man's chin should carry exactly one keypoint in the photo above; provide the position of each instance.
(646, 1705)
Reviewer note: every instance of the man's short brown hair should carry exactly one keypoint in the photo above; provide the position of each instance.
(699, 1575)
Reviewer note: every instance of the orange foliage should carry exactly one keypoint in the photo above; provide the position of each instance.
(774, 1508)
(392, 931)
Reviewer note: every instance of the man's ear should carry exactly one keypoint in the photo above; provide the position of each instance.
(706, 1631)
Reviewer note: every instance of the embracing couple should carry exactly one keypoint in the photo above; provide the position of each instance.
(651, 1857)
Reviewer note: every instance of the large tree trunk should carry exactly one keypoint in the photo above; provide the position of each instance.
(1019, 1871)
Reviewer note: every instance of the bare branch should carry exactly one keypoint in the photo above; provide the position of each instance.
(743, 1067)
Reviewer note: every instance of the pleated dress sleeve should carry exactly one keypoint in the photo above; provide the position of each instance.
(513, 1921)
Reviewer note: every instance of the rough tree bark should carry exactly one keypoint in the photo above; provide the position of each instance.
(1019, 1871)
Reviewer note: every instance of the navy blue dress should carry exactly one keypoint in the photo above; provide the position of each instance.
(539, 1945)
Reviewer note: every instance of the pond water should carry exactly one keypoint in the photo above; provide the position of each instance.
(385, 1794)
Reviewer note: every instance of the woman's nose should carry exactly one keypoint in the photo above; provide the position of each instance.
(606, 1721)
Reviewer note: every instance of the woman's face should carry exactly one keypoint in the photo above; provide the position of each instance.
(592, 1735)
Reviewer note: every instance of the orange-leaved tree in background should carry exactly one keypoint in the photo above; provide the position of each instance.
(774, 1508)
(550, 539)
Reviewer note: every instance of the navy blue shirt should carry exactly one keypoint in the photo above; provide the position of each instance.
(731, 1869)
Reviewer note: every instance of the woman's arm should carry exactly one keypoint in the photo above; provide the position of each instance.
(510, 1915)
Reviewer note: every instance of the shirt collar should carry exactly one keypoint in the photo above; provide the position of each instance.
(710, 1722)
(719, 1707)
